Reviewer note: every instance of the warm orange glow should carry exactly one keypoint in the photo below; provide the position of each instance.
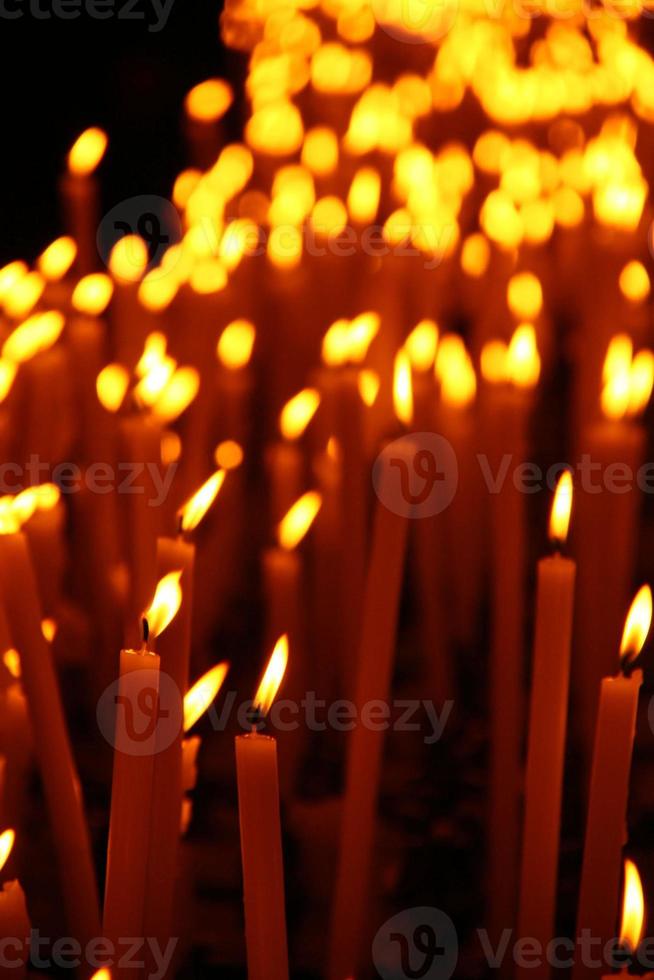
(475, 255)
(192, 512)
(627, 380)
(641, 381)
(637, 624)
(178, 394)
(328, 217)
(24, 504)
(157, 290)
(337, 69)
(524, 296)
(361, 332)
(275, 129)
(421, 345)
(171, 447)
(403, 388)
(7, 839)
(295, 524)
(336, 344)
(11, 660)
(7, 374)
(272, 678)
(618, 357)
(209, 101)
(320, 151)
(150, 387)
(455, 371)
(21, 298)
(165, 604)
(185, 184)
(128, 259)
(202, 694)
(235, 345)
(633, 908)
(92, 294)
(363, 195)
(10, 274)
(228, 455)
(49, 629)
(561, 509)
(523, 359)
(494, 367)
(55, 261)
(154, 351)
(87, 151)
(298, 412)
(111, 386)
(284, 247)
(634, 282)
(102, 974)
(33, 336)
(369, 382)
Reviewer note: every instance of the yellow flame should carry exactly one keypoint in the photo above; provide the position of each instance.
(633, 908)
(103, 974)
(561, 508)
(336, 344)
(178, 394)
(273, 677)
(228, 455)
(235, 344)
(157, 290)
(320, 151)
(202, 694)
(641, 381)
(154, 351)
(296, 522)
(33, 336)
(362, 331)
(618, 357)
(152, 384)
(7, 839)
(128, 259)
(7, 374)
(92, 294)
(11, 660)
(403, 388)
(523, 359)
(634, 282)
(637, 624)
(47, 495)
(421, 345)
(55, 261)
(21, 298)
(627, 380)
(298, 412)
(524, 296)
(494, 367)
(165, 604)
(275, 129)
(24, 504)
(49, 629)
(475, 255)
(185, 184)
(10, 274)
(192, 512)
(87, 151)
(111, 386)
(171, 447)
(369, 383)
(363, 195)
(209, 101)
(456, 373)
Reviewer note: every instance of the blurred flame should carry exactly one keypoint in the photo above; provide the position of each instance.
(402, 388)
(273, 677)
(296, 522)
(369, 382)
(209, 101)
(111, 386)
(7, 839)
(561, 508)
(202, 694)
(298, 412)
(627, 380)
(494, 368)
(455, 371)
(165, 604)
(92, 294)
(634, 282)
(475, 255)
(228, 455)
(55, 261)
(525, 296)
(21, 298)
(637, 624)
(87, 151)
(523, 359)
(10, 274)
(633, 908)
(336, 344)
(192, 512)
(363, 195)
(128, 259)
(362, 331)
(157, 290)
(49, 629)
(11, 660)
(235, 345)
(33, 336)
(178, 394)
(103, 974)
(421, 345)
(7, 374)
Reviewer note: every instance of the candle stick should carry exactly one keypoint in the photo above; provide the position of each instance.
(80, 195)
(15, 927)
(609, 784)
(547, 728)
(261, 837)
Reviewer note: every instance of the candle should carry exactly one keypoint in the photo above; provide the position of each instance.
(204, 107)
(80, 195)
(196, 701)
(547, 730)
(235, 381)
(374, 669)
(128, 262)
(609, 784)
(60, 779)
(633, 914)
(261, 836)
(15, 927)
(54, 264)
(284, 459)
(86, 338)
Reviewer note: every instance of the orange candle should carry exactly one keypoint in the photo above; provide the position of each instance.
(261, 836)
(609, 784)
(86, 336)
(127, 263)
(14, 920)
(80, 196)
(547, 730)
(374, 670)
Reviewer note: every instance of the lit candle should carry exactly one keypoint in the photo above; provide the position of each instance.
(127, 264)
(196, 701)
(547, 729)
(15, 925)
(284, 459)
(204, 107)
(633, 914)
(609, 784)
(80, 195)
(261, 836)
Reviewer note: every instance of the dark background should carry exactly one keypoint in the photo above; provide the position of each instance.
(59, 76)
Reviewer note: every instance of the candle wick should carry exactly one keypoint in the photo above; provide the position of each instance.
(145, 627)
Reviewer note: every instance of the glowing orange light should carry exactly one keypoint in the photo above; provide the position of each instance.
(55, 261)
(235, 345)
(202, 694)
(641, 381)
(92, 294)
(49, 629)
(363, 195)
(128, 259)
(102, 974)
(7, 839)
(24, 505)
(561, 509)
(329, 217)
(185, 184)
(361, 332)
(7, 374)
(178, 394)
(296, 522)
(21, 298)
(524, 296)
(475, 255)
(87, 151)
(197, 506)
(634, 282)
(11, 660)
(421, 345)
(523, 359)
(272, 678)
(33, 336)
(336, 344)
(369, 383)
(456, 373)
(10, 274)
(402, 388)
(209, 101)
(284, 247)
(637, 624)
(157, 290)
(111, 386)
(275, 129)
(298, 412)
(171, 447)
(165, 604)
(228, 455)
(633, 908)
(149, 389)
(320, 151)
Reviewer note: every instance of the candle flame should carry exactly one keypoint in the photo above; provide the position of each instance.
(421, 345)
(165, 604)
(202, 694)
(10, 274)
(637, 624)
(634, 282)
(157, 290)
(363, 195)
(627, 380)
(128, 259)
(523, 359)
(402, 388)
(633, 908)
(87, 151)
(561, 509)
(103, 974)
(273, 677)
(298, 412)
(152, 384)
(295, 524)
(362, 331)
(7, 839)
(21, 298)
(11, 660)
(192, 512)
(48, 496)
(336, 344)
(228, 455)
(24, 504)
(454, 369)
(494, 367)
(208, 101)
(33, 336)
(92, 293)
(235, 345)
(7, 374)
(369, 382)
(524, 296)
(55, 261)
(111, 386)
(49, 629)
(178, 394)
